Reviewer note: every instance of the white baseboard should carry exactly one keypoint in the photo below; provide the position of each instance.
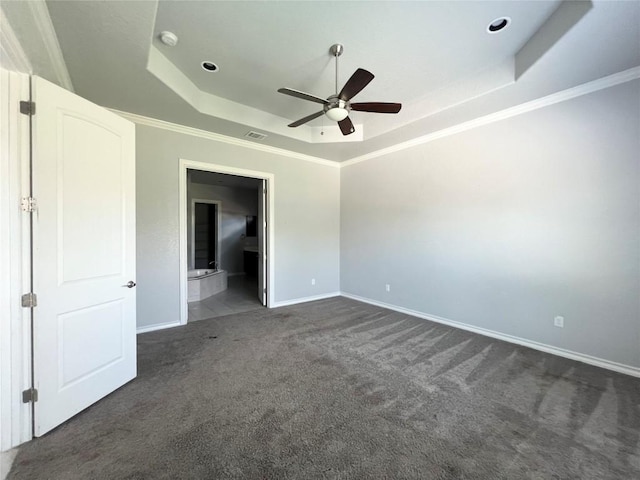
(295, 301)
(157, 326)
(561, 352)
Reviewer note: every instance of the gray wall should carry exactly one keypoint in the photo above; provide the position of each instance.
(506, 226)
(237, 203)
(306, 217)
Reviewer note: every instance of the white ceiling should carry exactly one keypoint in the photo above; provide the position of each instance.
(433, 56)
(413, 48)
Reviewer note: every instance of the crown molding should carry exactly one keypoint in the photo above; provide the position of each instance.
(12, 56)
(196, 132)
(558, 97)
(214, 106)
(47, 33)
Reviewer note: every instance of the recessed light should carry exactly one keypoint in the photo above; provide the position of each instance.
(210, 66)
(169, 38)
(498, 24)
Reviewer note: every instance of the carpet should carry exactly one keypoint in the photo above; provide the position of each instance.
(337, 389)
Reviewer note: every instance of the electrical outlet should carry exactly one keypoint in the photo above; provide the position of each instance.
(387, 287)
(313, 281)
(558, 322)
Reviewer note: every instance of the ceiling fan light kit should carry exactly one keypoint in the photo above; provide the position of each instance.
(337, 113)
(337, 107)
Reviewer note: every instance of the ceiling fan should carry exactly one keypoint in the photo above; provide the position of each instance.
(338, 106)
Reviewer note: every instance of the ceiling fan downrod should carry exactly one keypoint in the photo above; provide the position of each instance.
(336, 50)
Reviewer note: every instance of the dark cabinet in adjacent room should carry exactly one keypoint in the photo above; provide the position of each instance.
(251, 263)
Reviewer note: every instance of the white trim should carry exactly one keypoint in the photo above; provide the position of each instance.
(183, 245)
(196, 132)
(49, 38)
(11, 52)
(157, 326)
(489, 79)
(15, 321)
(558, 97)
(218, 107)
(561, 352)
(313, 298)
(184, 165)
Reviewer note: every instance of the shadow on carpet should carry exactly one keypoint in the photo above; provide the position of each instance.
(340, 389)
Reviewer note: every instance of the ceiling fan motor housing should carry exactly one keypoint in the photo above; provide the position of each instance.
(336, 102)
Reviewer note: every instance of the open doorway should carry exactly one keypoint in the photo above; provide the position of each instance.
(224, 269)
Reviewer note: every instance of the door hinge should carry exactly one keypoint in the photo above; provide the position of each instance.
(29, 300)
(29, 204)
(30, 395)
(27, 107)
(264, 290)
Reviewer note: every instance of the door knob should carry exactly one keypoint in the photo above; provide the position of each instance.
(130, 284)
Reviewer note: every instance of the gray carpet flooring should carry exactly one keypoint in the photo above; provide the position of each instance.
(337, 389)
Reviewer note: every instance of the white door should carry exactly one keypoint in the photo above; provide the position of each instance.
(262, 240)
(84, 253)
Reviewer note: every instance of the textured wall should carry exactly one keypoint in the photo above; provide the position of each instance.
(306, 216)
(508, 225)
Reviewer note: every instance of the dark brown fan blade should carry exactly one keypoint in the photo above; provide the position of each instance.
(346, 126)
(302, 95)
(355, 84)
(376, 107)
(306, 119)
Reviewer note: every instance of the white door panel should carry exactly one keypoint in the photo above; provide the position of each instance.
(84, 253)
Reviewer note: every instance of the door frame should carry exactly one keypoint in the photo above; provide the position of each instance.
(269, 178)
(192, 227)
(16, 420)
